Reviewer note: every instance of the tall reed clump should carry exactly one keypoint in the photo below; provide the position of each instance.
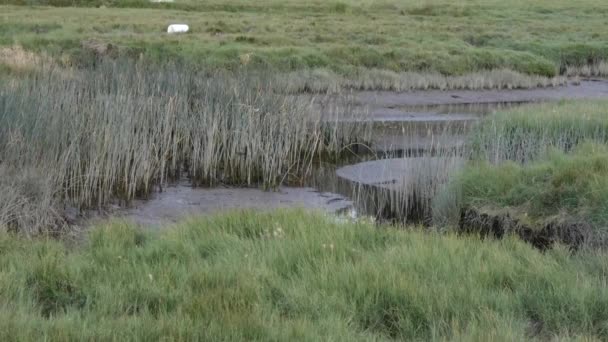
(524, 133)
(118, 129)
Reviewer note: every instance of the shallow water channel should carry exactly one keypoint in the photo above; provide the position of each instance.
(416, 141)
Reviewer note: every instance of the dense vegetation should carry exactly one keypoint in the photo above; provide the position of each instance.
(541, 165)
(529, 132)
(99, 105)
(85, 137)
(296, 276)
(349, 37)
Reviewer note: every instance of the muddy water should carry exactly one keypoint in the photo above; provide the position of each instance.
(416, 142)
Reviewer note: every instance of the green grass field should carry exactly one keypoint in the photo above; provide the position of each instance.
(299, 277)
(449, 37)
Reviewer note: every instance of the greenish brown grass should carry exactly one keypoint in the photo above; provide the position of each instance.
(527, 132)
(538, 164)
(561, 187)
(296, 276)
(327, 81)
(438, 36)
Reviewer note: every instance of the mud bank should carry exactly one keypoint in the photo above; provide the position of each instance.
(182, 200)
(488, 224)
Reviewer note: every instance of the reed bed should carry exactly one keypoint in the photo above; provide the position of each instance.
(599, 69)
(327, 81)
(525, 133)
(121, 129)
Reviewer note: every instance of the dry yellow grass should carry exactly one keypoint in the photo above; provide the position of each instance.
(17, 59)
(599, 69)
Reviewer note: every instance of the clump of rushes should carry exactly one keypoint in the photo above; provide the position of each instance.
(599, 69)
(119, 129)
(524, 133)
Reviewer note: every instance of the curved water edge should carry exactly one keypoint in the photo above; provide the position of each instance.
(416, 142)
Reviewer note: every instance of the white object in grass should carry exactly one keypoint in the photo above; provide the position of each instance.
(178, 28)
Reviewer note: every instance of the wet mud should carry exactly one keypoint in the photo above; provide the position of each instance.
(183, 200)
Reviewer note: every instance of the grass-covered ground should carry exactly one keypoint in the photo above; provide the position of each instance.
(444, 36)
(295, 276)
(560, 186)
(542, 165)
(528, 132)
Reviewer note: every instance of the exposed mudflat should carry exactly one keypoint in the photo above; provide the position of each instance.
(428, 105)
(182, 200)
(587, 89)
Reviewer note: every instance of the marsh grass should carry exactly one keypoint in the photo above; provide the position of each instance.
(436, 36)
(122, 129)
(599, 69)
(527, 132)
(327, 81)
(16, 60)
(538, 164)
(568, 190)
(290, 275)
(28, 202)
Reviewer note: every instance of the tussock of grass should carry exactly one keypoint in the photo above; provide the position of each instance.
(28, 203)
(295, 276)
(539, 164)
(566, 187)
